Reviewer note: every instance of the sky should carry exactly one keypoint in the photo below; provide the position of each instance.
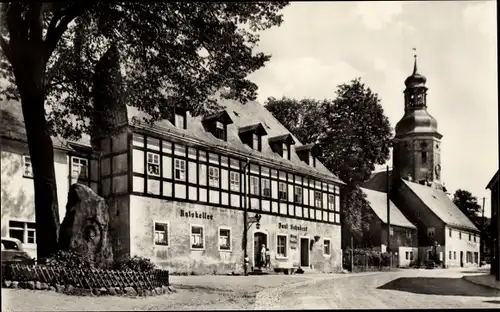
(323, 44)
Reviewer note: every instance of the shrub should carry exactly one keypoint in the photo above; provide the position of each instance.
(69, 259)
(137, 264)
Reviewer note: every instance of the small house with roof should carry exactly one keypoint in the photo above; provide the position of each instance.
(444, 232)
(494, 187)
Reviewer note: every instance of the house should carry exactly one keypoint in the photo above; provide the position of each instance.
(493, 186)
(402, 233)
(416, 188)
(184, 192)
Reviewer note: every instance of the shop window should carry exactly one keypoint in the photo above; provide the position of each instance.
(266, 187)
(197, 237)
(431, 232)
(298, 195)
(326, 247)
(180, 169)
(225, 239)
(27, 167)
(282, 195)
(235, 181)
(161, 233)
(23, 231)
(317, 199)
(281, 248)
(153, 160)
(213, 176)
(254, 185)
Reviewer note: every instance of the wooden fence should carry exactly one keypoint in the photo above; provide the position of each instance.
(85, 278)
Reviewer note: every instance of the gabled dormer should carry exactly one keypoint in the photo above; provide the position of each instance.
(252, 136)
(179, 117)
(305, 153)
(281, 145)
(217, 124)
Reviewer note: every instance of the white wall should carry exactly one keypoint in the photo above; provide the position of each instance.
(456, 245)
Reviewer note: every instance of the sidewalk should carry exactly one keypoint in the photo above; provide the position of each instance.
(487, 280)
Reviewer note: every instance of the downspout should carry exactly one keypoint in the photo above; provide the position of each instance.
(245, 219)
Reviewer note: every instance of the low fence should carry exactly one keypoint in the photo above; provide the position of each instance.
(364, 261)
(85, 278)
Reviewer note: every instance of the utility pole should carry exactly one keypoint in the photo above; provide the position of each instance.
(389, 217)
(481, 235)
(352, 254)
(245, 221)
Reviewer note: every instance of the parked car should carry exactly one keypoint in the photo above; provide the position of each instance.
(13, 251)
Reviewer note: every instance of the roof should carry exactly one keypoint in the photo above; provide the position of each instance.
(493, 181)
(282, 138)
(441, 205)
(378, 203)
(377, 181)
(12, 127)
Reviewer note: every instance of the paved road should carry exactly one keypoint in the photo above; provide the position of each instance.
(406, 289)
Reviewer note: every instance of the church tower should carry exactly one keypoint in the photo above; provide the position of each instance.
(416, 153)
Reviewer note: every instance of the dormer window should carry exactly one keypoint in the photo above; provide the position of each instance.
(217, 124)
(282, 145)
(252, 136)
(306, 154)
(179, 118)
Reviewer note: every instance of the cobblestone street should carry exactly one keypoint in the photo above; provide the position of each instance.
(404, 289)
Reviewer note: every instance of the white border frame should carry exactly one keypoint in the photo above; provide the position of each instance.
(330, 243)
(168, 234)
(230, 238)
(252, 256)
(191, 225)
(308, 251)
(287, 247)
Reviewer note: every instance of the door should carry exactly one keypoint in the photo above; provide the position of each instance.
(304, 252)
(461, 259)
(259, 239)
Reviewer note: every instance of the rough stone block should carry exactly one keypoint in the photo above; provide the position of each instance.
(112, 291)
(14, 284)
(38, 285)
(7, 283)
(103, 291)
(59, 288)
(69, 288)
(52, 288)
(130, 291)
(44, 286)
(119, 291)
(30, 285)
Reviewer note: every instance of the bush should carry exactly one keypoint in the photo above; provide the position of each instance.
(137, 264)
(69, 259)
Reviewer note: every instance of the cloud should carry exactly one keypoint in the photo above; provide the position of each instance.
(376, 15)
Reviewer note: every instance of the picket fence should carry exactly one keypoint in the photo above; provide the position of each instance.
(85, 278)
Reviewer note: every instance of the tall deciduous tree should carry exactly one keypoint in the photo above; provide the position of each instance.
(351, 133)
(467, 203)
(172, 53)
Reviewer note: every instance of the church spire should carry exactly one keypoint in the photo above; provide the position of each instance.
(415, 65)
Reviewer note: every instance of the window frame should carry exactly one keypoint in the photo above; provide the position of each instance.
(75, 159)
(316, 199)
(285, 148)
(153, 164)
(26, 159)
(182, 116)
(167, 223)
(329, 247)
(220, 132)
(181, 171)
(280, 191)
(295, 194)
(256, 139)
(431, 230)
(25, 230)
(264, 188)
(212, 177)
(450, 233)
(233, 182)
(408, 234)
(191, 241)
(229, 238)
(278, 255)
(254, 187)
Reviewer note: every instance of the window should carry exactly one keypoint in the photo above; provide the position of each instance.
(411, 255)
(161, 233)
(424, 157)
(449, 255)
(326, 248)
(23, 231)
(213, 176)
(431, 231)
(429, 254)
(311, 159)
(220, 132)
(153, 164)
(317, 199)
(470, 237)
(449, 233)
(235, 181)
(180, 169)
(255, 142)
(180, 121)
(285, 152)
(281, 248)
(391, 231)
(474, 238)
(298, 195)
(459, 235)
(407, 254)
(27, 167)
(282, 191)
(408, 233)
(331, 202)
(197, 238)
(224, 239)
(79, 169)
(266, 187)
(476, 257)
(454, 255)
(254, 186)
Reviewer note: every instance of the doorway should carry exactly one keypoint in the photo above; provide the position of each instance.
(304, 251)
(259, 239)
(461, 259)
